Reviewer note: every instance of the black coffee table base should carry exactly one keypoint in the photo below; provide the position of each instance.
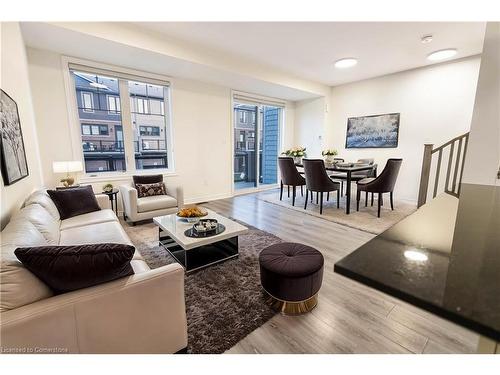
(202, 256)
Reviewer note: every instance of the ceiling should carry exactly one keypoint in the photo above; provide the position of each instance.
(309, 49)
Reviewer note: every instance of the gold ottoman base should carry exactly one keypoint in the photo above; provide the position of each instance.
(291, 308)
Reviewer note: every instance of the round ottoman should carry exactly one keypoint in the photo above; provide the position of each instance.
(291, 275)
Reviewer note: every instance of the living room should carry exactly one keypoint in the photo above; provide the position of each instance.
(249, 187)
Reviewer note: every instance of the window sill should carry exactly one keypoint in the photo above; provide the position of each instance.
(123, 176)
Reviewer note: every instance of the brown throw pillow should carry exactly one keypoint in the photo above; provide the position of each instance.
(147, 179)
(74, 201)
(67, 268)
(148, 190)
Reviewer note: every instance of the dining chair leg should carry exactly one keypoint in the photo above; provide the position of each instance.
(327, 196)
(307, 196)
(288, 186)
(317, 197)
(338, 198)
(321, 204)
(358, 196)
(301, 190)
(281, 190)
(312, 195)
(392, 202)
(342, 187)
(366, 199)
(293, 195)
(372, 199)
(381, 199)
(379, 203)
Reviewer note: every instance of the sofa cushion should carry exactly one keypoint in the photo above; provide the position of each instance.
(74, 201)
(21, 232)
(147, 179)
(95, 217)
(43, 199)
(149, 190)
(108, 232)
(67, 268)
(157, 202)
(43, 221)
(18, 285)
(139, 266)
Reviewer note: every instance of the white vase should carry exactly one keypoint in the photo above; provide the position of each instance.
(329, 159)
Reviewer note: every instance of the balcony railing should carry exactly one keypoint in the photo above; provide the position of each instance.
(117, 146)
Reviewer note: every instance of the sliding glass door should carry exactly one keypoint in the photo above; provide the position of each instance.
(256, 144)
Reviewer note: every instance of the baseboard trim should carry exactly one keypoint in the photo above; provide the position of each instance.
(207, 198)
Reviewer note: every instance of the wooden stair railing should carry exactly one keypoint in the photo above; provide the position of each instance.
(454, 170)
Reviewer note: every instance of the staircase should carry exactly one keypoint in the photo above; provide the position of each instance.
(451, 154)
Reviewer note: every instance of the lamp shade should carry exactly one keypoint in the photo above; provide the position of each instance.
(67, 166)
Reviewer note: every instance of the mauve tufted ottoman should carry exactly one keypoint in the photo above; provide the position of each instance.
(291, 275)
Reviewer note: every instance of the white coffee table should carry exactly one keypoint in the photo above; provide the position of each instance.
(195, 253)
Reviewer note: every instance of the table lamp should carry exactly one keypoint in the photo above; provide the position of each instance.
(67, 167)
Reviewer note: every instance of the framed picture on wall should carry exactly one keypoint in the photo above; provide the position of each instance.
(376, 131)
(14, 164)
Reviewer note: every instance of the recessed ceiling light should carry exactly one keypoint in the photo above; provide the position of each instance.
(442, 54)
(426, 39)
(415, 255)
(345, 63)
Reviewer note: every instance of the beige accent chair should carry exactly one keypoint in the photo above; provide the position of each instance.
(141, 313)
(137, 209)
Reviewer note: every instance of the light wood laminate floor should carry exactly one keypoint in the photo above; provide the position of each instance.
(350, 317)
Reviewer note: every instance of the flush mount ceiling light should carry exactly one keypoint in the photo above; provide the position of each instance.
(415, 255)
(442, 54)
(345, 63)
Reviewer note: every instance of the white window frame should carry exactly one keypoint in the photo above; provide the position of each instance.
(116, 100)
(84, 108)
(243, 97)
(144, 105)
(125, 74)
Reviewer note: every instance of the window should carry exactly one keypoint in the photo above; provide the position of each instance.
(87, 102)
(113, 104)
(142, 105)
(108, 141)
(149, 130)
(89, 129)
(257, 142)
(149, 152)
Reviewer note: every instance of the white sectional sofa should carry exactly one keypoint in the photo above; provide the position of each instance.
(142, 313)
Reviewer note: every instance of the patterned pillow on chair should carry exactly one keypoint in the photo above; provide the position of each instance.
(148, 190)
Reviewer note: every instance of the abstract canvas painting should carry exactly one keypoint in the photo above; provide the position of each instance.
(377, 131)
(14, 164)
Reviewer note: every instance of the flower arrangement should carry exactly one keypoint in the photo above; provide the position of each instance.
(296, 152)
(329, 152)
(107, 188)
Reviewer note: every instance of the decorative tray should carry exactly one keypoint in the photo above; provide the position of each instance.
(205, 228)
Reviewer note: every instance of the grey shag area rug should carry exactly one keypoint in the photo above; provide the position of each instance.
(224, 302)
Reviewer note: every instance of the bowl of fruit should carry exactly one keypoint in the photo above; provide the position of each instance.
(191, 214)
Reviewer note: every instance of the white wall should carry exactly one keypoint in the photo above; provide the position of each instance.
(14, 81)
(435, 103)
(310, 124)
(201, 120)
(483, 151)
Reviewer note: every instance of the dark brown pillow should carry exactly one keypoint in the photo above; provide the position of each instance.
(74, 201)
(67, 268)
(147, 179)
(148, 190)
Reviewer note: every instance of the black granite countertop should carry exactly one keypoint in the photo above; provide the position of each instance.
(444, 258)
